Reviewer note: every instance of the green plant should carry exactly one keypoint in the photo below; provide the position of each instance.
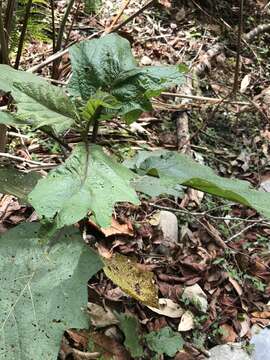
(106, 83)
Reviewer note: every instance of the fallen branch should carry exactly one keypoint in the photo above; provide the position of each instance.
(256, 31)
(206, 99)
(17, 158)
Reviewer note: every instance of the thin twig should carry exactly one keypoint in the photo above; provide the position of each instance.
(239, 38)
(206, 99)
(18, 158)
(72, 23)
(23, 32)
(61, 53)
(118, 16)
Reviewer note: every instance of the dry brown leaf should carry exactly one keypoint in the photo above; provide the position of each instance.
(118, 229)
(168, 308)
(236, 286)
(187, 321)
(229, 335)
(261, 314)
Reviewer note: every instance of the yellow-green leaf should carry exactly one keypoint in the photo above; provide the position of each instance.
(125, 273)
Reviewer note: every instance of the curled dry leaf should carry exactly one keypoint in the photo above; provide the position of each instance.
(118, 229)
(228, 334)
(125, 273)
(168, 308)
(101, 316)
(187, 321)
(196, 296)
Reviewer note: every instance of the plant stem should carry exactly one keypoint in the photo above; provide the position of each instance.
(72, 23)
(53, 25)
(8, 17)
(239, 36)
(23, 32)
(5, 60)
(3, 41)
(60, 37)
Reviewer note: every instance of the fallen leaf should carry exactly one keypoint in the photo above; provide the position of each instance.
(187, 321)
(168, 308)
(236, 286)
(245, 326)
(228, 334)
(101, 316)
(196, 296)
(118, 229)
(245, 83)
(261, 314)
(123, 271)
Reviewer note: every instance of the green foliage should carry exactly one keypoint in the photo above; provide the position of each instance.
(130, 327)
(16, 183)
(44, 272)
(168, 165)
(38, 103)
(89, 180)
(43, 289)
(165, 341)
(107, 64)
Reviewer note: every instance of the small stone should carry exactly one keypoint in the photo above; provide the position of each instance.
(168, 224)
(145, 60)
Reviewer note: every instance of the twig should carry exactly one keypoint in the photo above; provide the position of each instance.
(9, 18)
(23, 32)
(239, 38)
(206, 99)
(72, 23)
(17, 158)
(137, 13)
(118, 16)
(59, 54)
(256, 31)
(240, 232)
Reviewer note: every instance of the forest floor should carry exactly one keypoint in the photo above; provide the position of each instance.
(213, 249)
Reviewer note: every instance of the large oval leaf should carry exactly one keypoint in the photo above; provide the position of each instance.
(89, 180)
(108, 64)
(169, 165)
(43, 290)
(38, 102)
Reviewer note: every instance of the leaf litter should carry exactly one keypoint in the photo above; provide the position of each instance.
(234, 280)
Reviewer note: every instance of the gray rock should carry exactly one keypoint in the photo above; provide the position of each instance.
(168, 224)
(261, 342)
(231, 351)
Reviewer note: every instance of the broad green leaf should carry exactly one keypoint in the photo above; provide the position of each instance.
(125, 273)
(38, 102)
(108, 64)
(165, 341)
(17, 183)
(43, 290)
(130, 327)
(100, 100)
(153, 186)
(171, 165)
(88, 180)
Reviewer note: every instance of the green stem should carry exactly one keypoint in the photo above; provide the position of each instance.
(23, 33)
